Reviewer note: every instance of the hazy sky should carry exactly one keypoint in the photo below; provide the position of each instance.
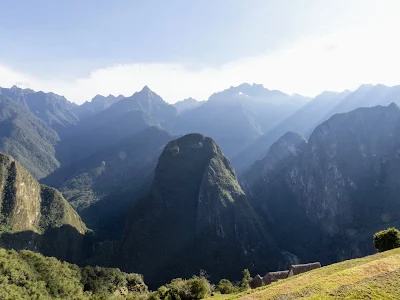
(183, 48)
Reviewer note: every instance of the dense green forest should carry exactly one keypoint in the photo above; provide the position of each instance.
(29, 275)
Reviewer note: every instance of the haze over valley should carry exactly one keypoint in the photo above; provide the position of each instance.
(162, 151)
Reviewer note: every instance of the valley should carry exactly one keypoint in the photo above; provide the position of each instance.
(150, 189)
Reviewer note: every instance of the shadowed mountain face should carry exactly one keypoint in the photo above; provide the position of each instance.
(53, 109)
(103, 186)
(35, 216)
(27, 138)
(334, 191)
(237, 116)
(113, 125)
(196, 216)
(98, 104)
(101, 132)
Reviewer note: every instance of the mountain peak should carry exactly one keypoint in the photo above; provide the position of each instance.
(195, 194)
(146, 89)
(187, 104)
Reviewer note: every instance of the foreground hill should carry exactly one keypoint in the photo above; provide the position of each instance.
(29, 275)
(372, 277)
(37, 217)
(196, 216)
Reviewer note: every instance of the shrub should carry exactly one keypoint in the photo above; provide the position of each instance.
(199, 287)
(29, 275)
(387, 239)
(194, 288)
(226, 287)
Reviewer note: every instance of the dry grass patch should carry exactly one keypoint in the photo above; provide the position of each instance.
(372, 277)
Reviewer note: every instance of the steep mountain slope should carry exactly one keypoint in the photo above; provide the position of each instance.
(103, 186)
(195, 217)
(96, 105)
(53, 109)
(237, 116)
(37, 217)
(27, 138)
(187, 104)
(334, 191)
(314, 113)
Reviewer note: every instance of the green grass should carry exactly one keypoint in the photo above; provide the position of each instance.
(372, 277)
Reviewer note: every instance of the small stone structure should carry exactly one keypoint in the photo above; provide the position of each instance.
(298, 269)
(256, 282)
(275, 276)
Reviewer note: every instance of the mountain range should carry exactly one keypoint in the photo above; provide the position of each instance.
(334, 190)
(317, 110)
(251, 178)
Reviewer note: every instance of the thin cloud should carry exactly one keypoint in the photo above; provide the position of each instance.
(360, 55)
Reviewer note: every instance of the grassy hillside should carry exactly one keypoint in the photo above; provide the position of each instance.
(372, 277)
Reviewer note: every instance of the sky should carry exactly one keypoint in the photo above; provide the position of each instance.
(193, 48)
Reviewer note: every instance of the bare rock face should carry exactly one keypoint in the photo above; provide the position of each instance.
(196, 216)
(36, 217)
(20, 197)
(328, 196)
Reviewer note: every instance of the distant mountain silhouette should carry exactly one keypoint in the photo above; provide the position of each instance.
(314, 113)
(187, 104)
(237, 116)
(53, 109)
(96, 105)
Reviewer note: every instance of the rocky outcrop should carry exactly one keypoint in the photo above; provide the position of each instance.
(37, 217)
(196, 216)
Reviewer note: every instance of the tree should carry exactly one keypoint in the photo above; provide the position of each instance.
(224, 286)
(244, 284)
(387, 239)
